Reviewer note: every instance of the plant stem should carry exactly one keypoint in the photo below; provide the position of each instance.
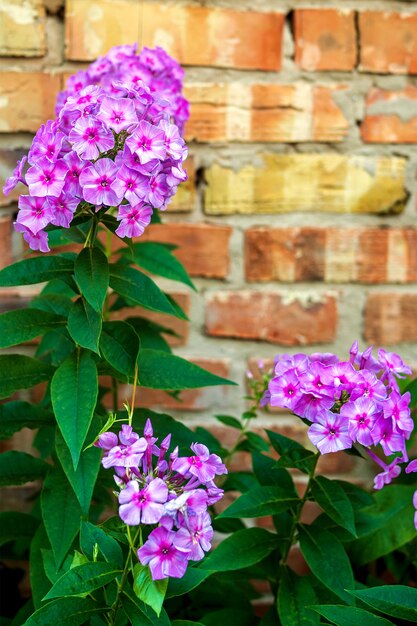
(132, 404)
(115, 606)
(297, 515)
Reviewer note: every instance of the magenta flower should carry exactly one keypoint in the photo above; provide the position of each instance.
(63, 209)
(97, 182)
(46, 178)
(204, 466)
(391, 471)
(37, 241)
(148, 142)
(89, 138)
(133, 220)
(174, 144)
(411, 467)
(72, 180)
(361, 415)
(397, 407)
(126, 456)
(131, 185)
(143, 506)
(163, 557)
(35, 213)
(285, 390)
(330, 432)
(158, 191)
(16, 177)
(393, 363)
(118, 114)
(415, 506)
(195, 536)
(107, 441)
(47, 143)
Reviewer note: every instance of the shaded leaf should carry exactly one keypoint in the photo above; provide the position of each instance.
(18, 414)
(92, 275)
(395, 600)
(36, 269)
(333, 500)
(83, 579)
(18, 371)
(294, 596)
(16, 525)
(92, 535)
(17, 468)
(84, 325)
(349, 616)
(151, 592)
(119, 345)
(157, 259)
(23, 325)
(242, 549)
(66, 612)
(260, 501)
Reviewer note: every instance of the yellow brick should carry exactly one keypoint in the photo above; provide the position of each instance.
(308, 182)
(22, 28)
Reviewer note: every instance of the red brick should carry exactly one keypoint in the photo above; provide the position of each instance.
(22, 28)
(210, 36)
(264, 112)
(325, 39)
(181, 327)
(202, 248)
(391, 116)
(5, 241)
(336, 255)
(28, 100)
(391, 318)
(189, 400)
(286, 319)
(388, 42)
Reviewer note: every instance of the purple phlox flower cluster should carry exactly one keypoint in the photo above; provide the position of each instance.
(412, 467)
(173, 494)
(151, 67)
(357, 401)
(112, 147)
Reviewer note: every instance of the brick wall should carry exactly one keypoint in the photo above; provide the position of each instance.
(298, 222)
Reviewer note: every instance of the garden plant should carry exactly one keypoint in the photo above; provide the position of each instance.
(129, 501)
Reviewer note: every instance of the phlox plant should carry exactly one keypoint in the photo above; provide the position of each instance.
(126, 523)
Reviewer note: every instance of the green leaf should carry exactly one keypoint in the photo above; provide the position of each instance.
(138, 288)
(242, 549)
(61, 513)
(23, 325)
(18, 371)
(91, 536)
(84, 477)
(157, 259)
(327, 560)
(292, 454)
(384, 526)
(294, 595)
(395, 600)
(333, 500)
(260, 501)
(39, 581)
(84, 325)
(53, 303)
(18, 414)
(160, 370)
(150, 333)
(74, 390)
(228, 420)
(256, 442)
(229, 616)
(65, 612)
(83, 579)
(268, 473)
(139, 613)
(15, 525)
(37, 269)
(17, 468)
(151, 592)
(350, 616)
(55, 346)
(92, 276)
(185, 622)
(192, 578)
(119, 345)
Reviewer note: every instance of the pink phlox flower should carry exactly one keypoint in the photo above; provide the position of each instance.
(176, 175)
(126, 436)
(158, 191)
(46, 178)
(367, 385)
(143, 506)
(366, 361)
(299, 363)
(309, 405)
(330, 433)
(87, 97)
(214, 493)
(34, 213)
(340, 376)
(75, 167)
(315, 382)
(47, 145)
(325, 358)
(17, 176)
(397, 407)
(387, 436)
(392, 471)
(163, 557)
(147, 142)
(131, 185)
(393, 363)
(126, 456)
(195, 535)
(63, 209)
(174, 144)
(285, 390)
(89, 137)
(107, 440)
(118, 114)
(97, 182)
(415, 506)
(411, 467)
(133, 220)
(361, 415)
(204, 466)
(36, 241)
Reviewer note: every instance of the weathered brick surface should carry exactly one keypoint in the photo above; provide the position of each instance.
(27, 99)
(388, 42)
(325, 39)
(22, 28)
(391, 116)
(202, 248)
(5, 240)
(340, 255)
(391, 318)
(285, 319)
(209, 35)
(308, 182)
(265, 112)
(184, 199)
